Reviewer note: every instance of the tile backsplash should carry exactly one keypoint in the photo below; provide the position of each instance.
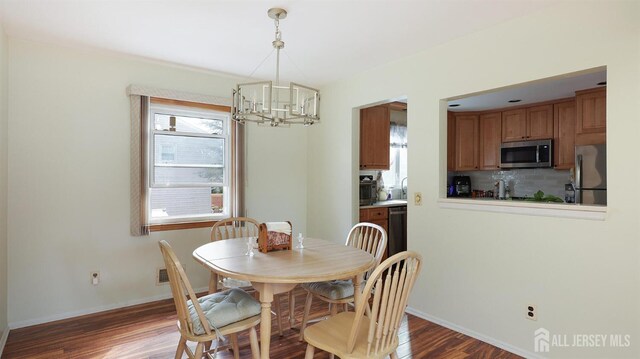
(521, 182)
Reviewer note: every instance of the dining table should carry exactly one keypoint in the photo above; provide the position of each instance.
(280, 271)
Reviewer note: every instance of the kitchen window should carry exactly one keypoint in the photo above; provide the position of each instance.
(397, 157)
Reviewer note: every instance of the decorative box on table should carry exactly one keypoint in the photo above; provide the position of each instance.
(274, 236)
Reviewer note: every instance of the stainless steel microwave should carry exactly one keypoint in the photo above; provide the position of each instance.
(526, 154)
(368, 193)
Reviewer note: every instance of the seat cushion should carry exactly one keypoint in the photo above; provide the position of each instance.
(235, 283)
(224, 308)
(334, 289)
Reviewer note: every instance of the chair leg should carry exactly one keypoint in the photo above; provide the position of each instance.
(394, 355)
(234, 345)
(199, 351)
(346, 307)
(278, 314)
(292, 306)
(309, 352)
(305, 315)
(181, 345)
(334, 309)
(253, 341)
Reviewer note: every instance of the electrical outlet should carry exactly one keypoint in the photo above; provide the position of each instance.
(532, 312)
(417, 198)
(95, 277)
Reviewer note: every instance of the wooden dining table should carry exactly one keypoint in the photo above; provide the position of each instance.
(280, 271)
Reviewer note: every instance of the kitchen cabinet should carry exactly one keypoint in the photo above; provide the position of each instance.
(466, 142)
(564, 130)
(376, 215)
(540, 122)
(451, 141)
(374, 138)
(532, 123)
(490, 125)
(591, 116)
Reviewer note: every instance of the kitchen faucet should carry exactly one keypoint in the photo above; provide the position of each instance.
(404, 189)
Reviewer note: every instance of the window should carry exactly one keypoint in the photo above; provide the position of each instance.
(398, 157)
(189, 164)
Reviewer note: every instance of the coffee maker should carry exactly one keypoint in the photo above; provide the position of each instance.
(462, 186)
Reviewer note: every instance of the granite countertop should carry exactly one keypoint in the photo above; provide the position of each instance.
(388, 203)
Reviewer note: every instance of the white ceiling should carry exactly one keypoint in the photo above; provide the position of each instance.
(537, 91)
(325, 40)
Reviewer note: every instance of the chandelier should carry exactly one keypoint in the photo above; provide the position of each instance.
(269, 103)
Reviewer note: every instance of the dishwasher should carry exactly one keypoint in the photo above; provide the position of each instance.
(397, 230)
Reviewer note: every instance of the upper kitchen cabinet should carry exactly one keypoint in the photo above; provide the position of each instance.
(540, 122)
(591, 116)
(451, 141)
(532, 123)
(514, 125)
(466, 142)
(564, 131)
(374, 138)
(490, 135)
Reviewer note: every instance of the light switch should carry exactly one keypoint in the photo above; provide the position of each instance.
(417, 199)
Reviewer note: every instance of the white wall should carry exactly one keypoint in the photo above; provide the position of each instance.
(481, 269)
(3, 183)
(69, 181)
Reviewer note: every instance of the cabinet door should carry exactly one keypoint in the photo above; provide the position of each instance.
(514, 125)
(374, 138)
(540, 122)
(564, 122)
(466, 142)
(490, 137)
(451, 141)
(591, 116)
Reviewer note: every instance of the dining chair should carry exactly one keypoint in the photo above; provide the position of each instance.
(208, 318)
(237, 227)
(354, 335)
(366, 236)
(234, 227)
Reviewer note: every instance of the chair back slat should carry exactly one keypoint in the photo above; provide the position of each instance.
(371, 238)
(391, 283)
(234, 227)
(182, 291)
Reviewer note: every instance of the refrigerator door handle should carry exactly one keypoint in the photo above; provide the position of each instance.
(579, 179)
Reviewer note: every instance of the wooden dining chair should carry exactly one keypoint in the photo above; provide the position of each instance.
(203, 320)
(366, 236)
(354, 335)
(238, 227)
(234, 227)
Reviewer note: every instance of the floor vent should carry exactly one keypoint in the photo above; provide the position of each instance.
(162, 277)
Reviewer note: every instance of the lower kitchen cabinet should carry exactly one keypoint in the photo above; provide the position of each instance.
(376, 215)
(379, 216)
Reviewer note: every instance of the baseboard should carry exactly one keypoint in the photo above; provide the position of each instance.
(474, 334)
(94, 310)
(3, 339)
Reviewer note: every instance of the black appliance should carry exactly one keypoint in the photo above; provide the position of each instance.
(462, 186)
(397, 230)
(526, 154)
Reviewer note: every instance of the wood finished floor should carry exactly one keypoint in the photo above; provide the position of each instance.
(149, 331)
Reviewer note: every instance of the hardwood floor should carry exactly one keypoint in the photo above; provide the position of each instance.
(149, 331)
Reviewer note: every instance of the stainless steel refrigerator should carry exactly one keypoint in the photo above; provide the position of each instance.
(591, 174)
